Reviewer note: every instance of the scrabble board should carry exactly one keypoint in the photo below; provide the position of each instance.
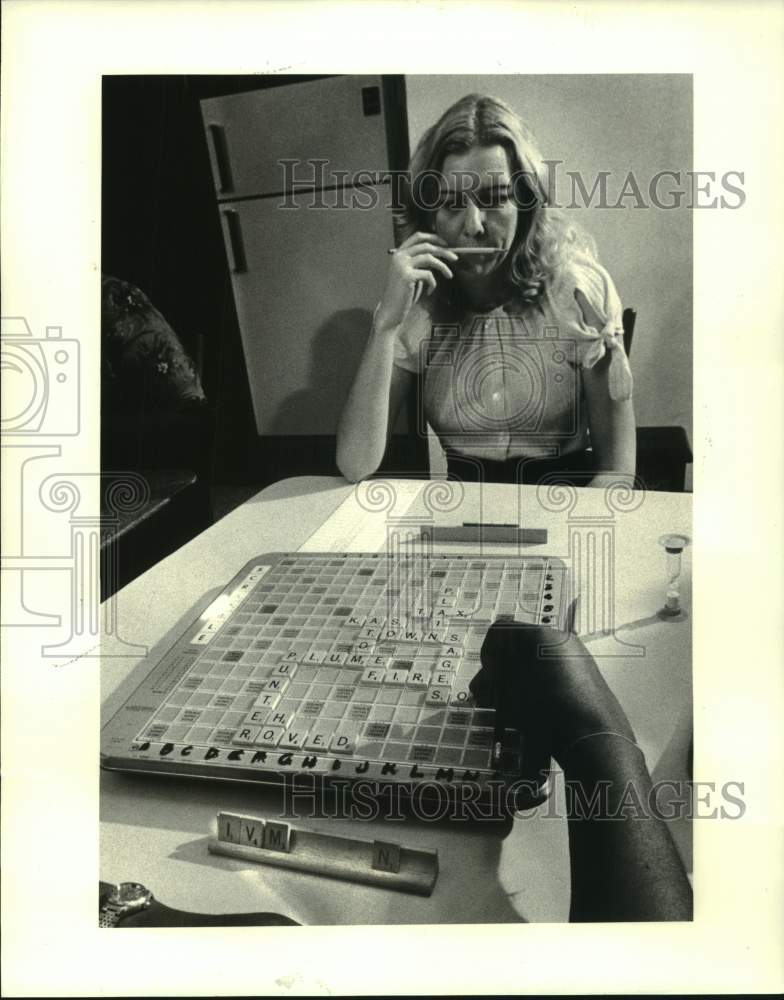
(342, 666)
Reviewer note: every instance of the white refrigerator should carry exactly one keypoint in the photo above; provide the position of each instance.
(306, 242)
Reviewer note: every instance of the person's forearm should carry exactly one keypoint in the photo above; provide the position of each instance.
(612, 426)
(615, 448)
(624, 863)
(364, 423)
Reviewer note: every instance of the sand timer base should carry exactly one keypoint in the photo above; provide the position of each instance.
(672, 610)
(672, 614)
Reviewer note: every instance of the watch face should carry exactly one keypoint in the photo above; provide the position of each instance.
(128, 893)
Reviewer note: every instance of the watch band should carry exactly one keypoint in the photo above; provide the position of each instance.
(109, 916)
(156, 914)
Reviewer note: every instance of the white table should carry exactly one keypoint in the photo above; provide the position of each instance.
(155, 830)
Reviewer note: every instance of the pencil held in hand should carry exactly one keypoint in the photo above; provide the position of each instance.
(467, 250)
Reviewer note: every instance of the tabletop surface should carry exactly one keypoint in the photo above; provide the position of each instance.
(155, 830)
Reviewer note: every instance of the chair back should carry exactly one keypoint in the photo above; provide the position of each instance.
(629, 318)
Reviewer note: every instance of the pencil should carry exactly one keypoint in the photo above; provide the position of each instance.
(463, 249)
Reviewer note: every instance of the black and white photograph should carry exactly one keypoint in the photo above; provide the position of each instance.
(420, 311)
(390, 574)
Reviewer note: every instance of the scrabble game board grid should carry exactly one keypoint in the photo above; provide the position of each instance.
(355, 656)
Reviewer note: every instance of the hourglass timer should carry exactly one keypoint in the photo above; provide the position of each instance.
(673, 546)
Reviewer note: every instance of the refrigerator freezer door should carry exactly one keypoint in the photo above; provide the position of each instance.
(305, 286)
(339, 120)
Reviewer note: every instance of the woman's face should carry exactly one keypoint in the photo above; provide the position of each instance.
(478, 209)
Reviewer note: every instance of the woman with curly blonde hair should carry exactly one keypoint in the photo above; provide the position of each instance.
(496, 306)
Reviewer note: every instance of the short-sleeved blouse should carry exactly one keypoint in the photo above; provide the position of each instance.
(507, 383)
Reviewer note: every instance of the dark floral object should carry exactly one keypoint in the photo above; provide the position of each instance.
(153, 409)
(141, 352)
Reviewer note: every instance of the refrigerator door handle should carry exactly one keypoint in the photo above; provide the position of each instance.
(233, 233)
(220, 158)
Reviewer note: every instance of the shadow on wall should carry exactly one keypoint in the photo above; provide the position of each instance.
(329, 377)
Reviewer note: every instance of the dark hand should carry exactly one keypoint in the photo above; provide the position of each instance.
(545, 684)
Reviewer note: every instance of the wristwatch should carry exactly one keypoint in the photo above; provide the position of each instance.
(124, 900)
(131, 904)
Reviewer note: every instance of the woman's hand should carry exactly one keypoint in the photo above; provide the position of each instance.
(412, 270)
